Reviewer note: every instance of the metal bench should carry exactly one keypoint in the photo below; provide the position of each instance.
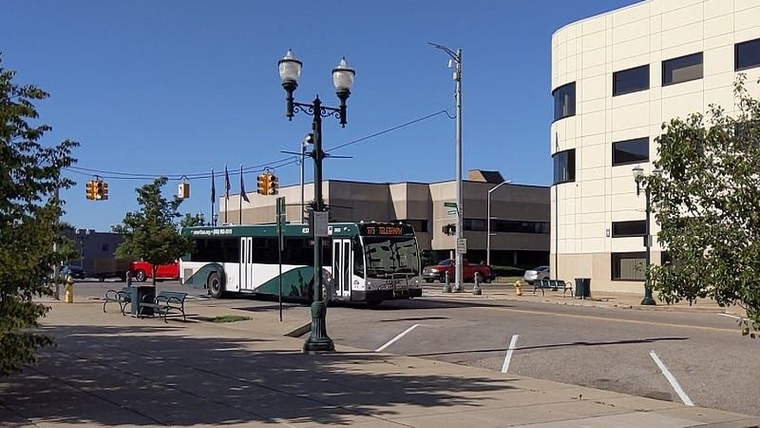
(165, 302)
(553, 285)
(123, 297)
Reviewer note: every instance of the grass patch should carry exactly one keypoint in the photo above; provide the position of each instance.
(229, 318)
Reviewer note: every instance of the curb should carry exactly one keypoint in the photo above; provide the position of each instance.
(299, 331)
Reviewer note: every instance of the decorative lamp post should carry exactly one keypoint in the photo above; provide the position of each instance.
(343, 78)
(216, 218)
(488, 216)
(201, 218)
(638, 176)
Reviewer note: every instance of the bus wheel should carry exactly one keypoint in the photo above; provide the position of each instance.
(214, 285)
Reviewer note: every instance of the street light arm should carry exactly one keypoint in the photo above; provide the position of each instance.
(451, 53)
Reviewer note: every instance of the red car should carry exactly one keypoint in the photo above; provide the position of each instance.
(438, 272)
(142, 271)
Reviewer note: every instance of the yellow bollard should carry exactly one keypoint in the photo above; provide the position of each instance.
(518, 287)
(68, 296)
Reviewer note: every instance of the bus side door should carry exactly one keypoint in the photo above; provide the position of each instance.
(246, 264)
(342, 267)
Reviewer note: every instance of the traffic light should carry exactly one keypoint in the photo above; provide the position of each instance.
(102, 191)
(449, 229)
(262, 184)
(273, 183)
(91, 191)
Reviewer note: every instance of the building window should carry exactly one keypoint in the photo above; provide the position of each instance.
(682, 69)
(476, 224)
(631, 80)
(516, 226)
(747, 54)
(625, 229)
(628, 266)
(564, 101)
(417, 225)
(564, 166)
(630, 151)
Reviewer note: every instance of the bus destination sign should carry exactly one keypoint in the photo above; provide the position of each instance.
(385, 230)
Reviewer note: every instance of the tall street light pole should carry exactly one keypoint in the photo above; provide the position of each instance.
(488, 227)
(456, 64)
(638, 175)
(343, 79)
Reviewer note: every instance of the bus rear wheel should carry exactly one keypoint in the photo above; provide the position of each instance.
(214, 286)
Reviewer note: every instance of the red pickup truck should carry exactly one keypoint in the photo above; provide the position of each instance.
(142, 271)
(438, 272)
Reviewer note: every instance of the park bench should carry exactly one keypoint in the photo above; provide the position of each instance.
(165, 302)
(123, 297)
(553, 285)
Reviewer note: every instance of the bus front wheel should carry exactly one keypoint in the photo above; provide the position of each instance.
(214, 285)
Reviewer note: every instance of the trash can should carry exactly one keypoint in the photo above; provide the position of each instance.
(583, 287)
(142, 294)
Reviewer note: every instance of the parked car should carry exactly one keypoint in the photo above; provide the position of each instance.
(76, 272)
(438, 272)
(142, 271)
(540, 272)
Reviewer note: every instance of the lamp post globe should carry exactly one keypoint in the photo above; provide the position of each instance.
(290, 70)
(343, 78)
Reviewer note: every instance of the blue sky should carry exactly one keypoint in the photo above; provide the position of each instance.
(179, 87)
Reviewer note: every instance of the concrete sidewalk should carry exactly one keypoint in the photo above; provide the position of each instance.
(114, 370)
(503, 291)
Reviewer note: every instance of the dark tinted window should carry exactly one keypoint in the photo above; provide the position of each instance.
(747, 54)
(631, 80)
(622, 229)
(474, 224)
(630, 151)
(682, 69)
(628, 266)
(516, 226)
(564, 166)
(216, 250)
(564, 101)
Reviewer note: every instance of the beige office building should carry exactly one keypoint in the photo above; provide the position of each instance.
(616, 78)
(519, 213)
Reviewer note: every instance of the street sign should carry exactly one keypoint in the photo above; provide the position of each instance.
(462, 246)
(451, 212)
(320, 223)
(449, 204)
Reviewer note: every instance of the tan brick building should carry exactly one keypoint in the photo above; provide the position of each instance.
(520, 213)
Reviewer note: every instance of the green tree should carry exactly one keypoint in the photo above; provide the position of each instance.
(190, 220)
(707, 203)
(30, 209)
(151, 233)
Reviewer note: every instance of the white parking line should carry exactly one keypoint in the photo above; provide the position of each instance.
(672, 379)
(510, 350)
(396, 338)
(731, 316)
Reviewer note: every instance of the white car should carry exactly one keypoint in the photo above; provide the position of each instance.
(540, 272)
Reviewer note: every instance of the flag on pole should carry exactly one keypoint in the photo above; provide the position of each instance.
(242, 186)
(227, 186)
(213, 188)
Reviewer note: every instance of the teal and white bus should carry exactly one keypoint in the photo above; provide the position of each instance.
(362, 262)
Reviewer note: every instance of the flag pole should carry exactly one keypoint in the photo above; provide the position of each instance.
(213, 197)
(240, 201)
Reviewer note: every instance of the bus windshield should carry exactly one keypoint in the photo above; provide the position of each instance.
(387, 256)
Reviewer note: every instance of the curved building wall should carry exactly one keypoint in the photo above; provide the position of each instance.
(616, 78)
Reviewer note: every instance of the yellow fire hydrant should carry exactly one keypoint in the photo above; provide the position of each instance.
(68, 290)
(518, 287)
